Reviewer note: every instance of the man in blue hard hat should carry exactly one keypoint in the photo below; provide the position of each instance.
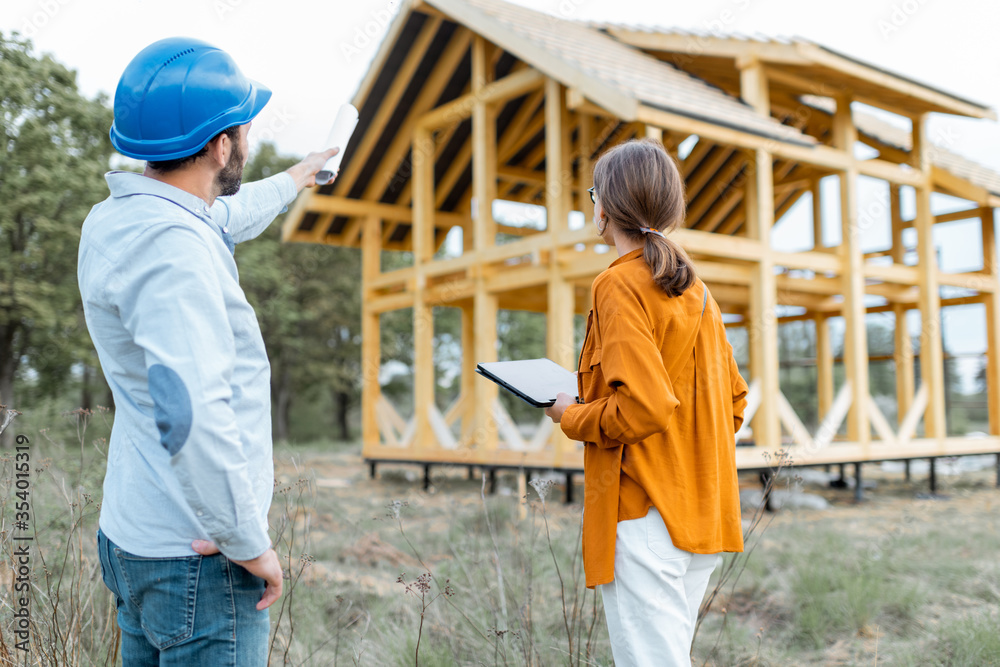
(183, 538)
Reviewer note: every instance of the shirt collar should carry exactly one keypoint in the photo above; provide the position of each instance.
(127, 183)
(633, 254)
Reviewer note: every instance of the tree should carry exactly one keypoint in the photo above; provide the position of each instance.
(308, 304)
(55, 150)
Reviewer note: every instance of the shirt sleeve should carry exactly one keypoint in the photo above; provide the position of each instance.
(739, 392)
(171, 303)
(642, 400)
(251, 210)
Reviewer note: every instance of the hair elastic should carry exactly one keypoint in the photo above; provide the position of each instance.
(650, 230)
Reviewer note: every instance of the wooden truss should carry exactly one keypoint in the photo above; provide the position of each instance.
(484, 124)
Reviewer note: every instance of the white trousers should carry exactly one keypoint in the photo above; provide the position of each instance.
(652, 605)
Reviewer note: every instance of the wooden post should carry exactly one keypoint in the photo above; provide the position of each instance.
(469, 361)
(824, 365)
(484, 231)
(931, 348)
(558, 182)
(371, 250)
(762, 324)
(903, 348)
(422, 234)
(992, 303)
(586, 168)
(817, 214)
(853, 279)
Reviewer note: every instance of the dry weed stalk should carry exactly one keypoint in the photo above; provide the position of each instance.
(291, 545)
(421, 588)
(572, 612)
(72, 614)
(395, 512)
(734, 566)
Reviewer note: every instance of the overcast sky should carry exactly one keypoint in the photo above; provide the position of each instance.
(313, 55)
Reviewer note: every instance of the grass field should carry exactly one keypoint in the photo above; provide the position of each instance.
(895, 580)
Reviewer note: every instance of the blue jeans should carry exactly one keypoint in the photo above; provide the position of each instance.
(189, 610)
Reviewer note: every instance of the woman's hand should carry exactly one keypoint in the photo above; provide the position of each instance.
(556, 410)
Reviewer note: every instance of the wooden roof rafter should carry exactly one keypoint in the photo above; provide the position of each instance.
(797, 58)
(521, 153)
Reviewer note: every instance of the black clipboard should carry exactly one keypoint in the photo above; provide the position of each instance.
(534, 381)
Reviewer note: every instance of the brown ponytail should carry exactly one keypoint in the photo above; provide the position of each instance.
(640, 187)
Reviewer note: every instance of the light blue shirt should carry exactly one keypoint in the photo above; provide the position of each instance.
(190, 451)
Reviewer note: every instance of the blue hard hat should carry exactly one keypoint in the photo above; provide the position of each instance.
(176, 95)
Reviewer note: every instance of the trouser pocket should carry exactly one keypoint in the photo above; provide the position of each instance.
(107, 568)
(164, 590)
(660, 545)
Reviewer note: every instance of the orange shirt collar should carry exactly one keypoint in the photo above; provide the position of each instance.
(634, 254)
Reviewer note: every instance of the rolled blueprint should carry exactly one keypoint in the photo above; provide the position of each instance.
(343, 128)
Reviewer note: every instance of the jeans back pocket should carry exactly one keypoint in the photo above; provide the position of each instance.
(165, 592)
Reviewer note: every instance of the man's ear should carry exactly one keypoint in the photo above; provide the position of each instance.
(219, 149)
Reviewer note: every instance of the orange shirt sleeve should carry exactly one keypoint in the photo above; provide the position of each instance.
(642, 400)
(739, 392)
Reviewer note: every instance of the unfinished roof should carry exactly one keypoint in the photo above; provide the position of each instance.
(617, 76)
(882, 135)
(608, 72)
(791, 62)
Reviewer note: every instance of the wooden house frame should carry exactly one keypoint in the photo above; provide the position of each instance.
(468, 101)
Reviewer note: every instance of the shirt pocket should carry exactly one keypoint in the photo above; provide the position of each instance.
(591, 377)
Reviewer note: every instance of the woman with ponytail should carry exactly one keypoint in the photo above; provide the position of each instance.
(662, 398)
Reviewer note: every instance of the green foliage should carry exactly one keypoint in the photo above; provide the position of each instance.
(308, 302)
(55, 150)
(972, 640)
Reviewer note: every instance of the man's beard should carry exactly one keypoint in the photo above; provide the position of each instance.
(228, 181)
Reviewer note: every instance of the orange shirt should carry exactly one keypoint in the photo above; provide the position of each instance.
(663, 399)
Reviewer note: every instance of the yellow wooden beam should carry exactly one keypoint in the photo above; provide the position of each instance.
(688, 47)
(952, 216)
(903, 348)
(484, 305)
(559, 178)
(585, 139)
(931, 350)
(511, 86)
(422, 234)
(762, 320)
(855, 326)
(393, 156)
(705, 175)
(945, 102)
(359, 207)
(762, 326)
(390, 101)
(957, 185)
(528, 49)
(753, 458)
(992, 302)
(824, 363)
(371, 248)
(527, 122)
(695, 157)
